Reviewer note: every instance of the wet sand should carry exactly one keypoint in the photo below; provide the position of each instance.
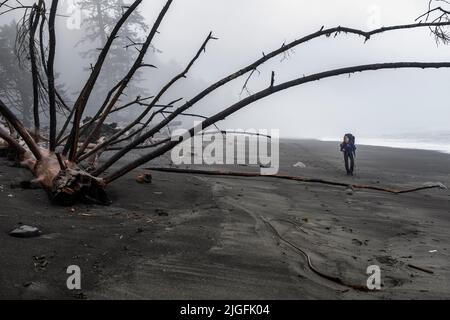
(203, 237)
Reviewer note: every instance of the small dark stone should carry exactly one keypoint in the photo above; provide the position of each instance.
(25, 184)
(144, 178)
(357, 242)
(80, 296)
(162, 213)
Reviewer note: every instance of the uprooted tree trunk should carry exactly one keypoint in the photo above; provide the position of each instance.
(63, 175)
(73, 185)
(64, 181)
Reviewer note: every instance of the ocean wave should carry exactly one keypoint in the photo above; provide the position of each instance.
(401, 143)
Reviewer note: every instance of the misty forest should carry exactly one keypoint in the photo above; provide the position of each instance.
(75, 147)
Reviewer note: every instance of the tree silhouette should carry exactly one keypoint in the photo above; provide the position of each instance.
(15, 86)
(100, 17)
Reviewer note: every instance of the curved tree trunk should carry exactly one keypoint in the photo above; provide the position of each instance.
(64, 181)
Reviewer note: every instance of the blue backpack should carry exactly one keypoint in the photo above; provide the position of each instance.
(352, 141)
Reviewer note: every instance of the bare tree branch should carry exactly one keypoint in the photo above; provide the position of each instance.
(12, 142)
(51, 75)
(12, 119)
(260, 95)
(266, 57)
(178, 77)
(33, 25)
(126, 80)
(83, 98)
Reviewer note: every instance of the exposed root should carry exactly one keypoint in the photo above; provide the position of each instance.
(45, 170)
(64, 181)
(301, 179)
(74, 185)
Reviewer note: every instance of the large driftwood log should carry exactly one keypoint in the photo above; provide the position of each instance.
(301, 179)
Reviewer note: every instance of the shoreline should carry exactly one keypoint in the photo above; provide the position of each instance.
(395, 144)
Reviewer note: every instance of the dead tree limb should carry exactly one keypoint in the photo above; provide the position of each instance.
(294, 178)
(156, 99)
(83, 98)
(420, 268)
(253, 66)
(249, 100)
(13, 143)
(435, 15)
(150, 146)
(21, 130)
(33, 25)
(51, 74)
(81, 128)
(126, 80)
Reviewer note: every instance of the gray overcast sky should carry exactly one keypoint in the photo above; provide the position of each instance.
(369, 104)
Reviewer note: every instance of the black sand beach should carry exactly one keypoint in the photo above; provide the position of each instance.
(202, 237)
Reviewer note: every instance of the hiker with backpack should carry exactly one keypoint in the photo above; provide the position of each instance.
(349, 149)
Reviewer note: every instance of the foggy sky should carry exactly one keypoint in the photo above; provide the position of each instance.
(368, 104)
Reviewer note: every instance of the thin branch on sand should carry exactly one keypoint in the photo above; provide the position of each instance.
(296, 178)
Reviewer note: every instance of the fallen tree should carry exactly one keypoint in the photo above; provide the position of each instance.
(59, 164)
(299, 179)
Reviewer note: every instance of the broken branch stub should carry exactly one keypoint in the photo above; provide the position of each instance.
(74, 185)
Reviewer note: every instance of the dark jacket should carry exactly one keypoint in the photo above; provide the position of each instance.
(348, 148)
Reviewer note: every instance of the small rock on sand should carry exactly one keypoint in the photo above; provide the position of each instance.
(144, 178)
(299, 165)
(25, 232)
(25, 184)
(162, 212)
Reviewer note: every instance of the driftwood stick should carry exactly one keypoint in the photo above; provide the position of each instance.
(294, 178)
(420, 269)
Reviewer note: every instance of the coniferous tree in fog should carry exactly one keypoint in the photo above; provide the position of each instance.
(99, 18)
(17, 77)
(16, 84)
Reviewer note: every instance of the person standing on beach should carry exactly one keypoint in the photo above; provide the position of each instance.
(349, 149)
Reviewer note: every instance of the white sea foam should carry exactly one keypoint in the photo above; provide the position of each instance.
(402, 143)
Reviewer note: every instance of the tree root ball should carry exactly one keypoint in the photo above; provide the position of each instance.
(71, 186)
